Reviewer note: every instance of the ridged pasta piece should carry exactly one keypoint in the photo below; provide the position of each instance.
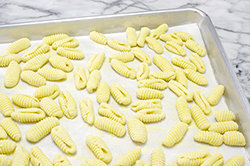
(96, 61)
(51, 90)
(21, 157)
(214, 160)
(159, 31)
(123, 69)
(12, 75)
(199, 117)
(41, 129)
(150, 115)
(98, 37)
(18, 46)
(53, 38)
(69, 42)
(195, 47)
(183, 110)
(103, 92)
(3, 134)
(183, 35)
(181, 77)
(25, 101)
(28, 115)
(11, 129)
(4, 160)
(110, 126)
(120, 94)
(183, 63)
(171, 37)
(201, 100)
(175, 48)
(141, 163)
(222, 127)
(147, 93)
(142, 36)
(173, 163)
(87, 110)
(234, 138)
(137, 130)
(165, 75)
(112, 113)
(162, 63)
(142, 72)
(129, 158)
(33, 78)
(175, 134)
(180, 90)
(50, 107)
(157, 157)
(5, 59)
(6, 106)
(93, 162)
(193, 158)
(63, 140)
(209, 137)
(158, 84)
(38, 157)
(99, 148)
(198, 62)
(131, 36)
(61, 63)
(236, 160)
(141, 55)
(35, 51)
(196, 77)
(7, 146)
(123, 56)
(80, 78)
(144, 104)
(216, 94)
(61, 160)
(224, 115)
(70, 53)
(37, 62)
(52, 74)
(93, 81)
(68, 104)
(154, 44)
(119, 45)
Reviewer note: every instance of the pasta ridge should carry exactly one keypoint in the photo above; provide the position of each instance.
(87, 110)
(147, 93)
(68, 105)
(150, 115)
(96, 61)
(162, 63)
(129, 158)
(35, 51)
(28, 115)
(123, 69)
(12, 75)
(11, 129)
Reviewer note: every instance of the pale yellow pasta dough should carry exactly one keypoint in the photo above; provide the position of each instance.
(234, 138)
(25, 101)
(171, 37)
(157, 157)
(103, 92)
(183, 35)
(52, 74)
(137, 130)
(181, 77)
(162, 63)
(141, 55)
(21, 157)
(53, 38)
(224, 115)
(150, 115)
(61, 160)
(123, 56)
(68, 104)
(87, 110)
(6, 106)
(131, 36)
(18, 46)
(216, 94)
(98, 37)
(158, 84)
(192, 158)
(4, 160)
(50, 107)
(123, 69)
(61, 63)
(120, 94)
(201, 100)
(175, 48)
(93, 162)
(144, 104)
(183, 63)
(198, 62)
(142, 36)
(35, 51)
(165, 75)
(38, 157)
(209, 137)
(196, 77)
(154, 44)
(195, 47)
(32, 78)
(7, 146)
(3, 134)
(93, 81)
(173, 163)
(199, 117)
(214, 160)
(12, 75)
(28, 115)
(70, 53)
(183, 110)
(6, 58)
(180, 90)
(119, 45)
(96, 61)
(141, 163)
(80, 78)
(222, 127)
(11, 129)
(51, 90)
(147, 93)
(161, 29)
(37, 62)
(69, 42)
(142, 72)
(236, 160)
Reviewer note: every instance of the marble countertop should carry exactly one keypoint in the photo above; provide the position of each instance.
(230, 18)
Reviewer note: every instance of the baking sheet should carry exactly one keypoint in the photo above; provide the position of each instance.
(78, 129)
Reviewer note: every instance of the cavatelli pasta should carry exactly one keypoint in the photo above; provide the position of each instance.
(61, 63)
(198, 62)
(236, 160)
(39, 49)
(6, 106)
(209, 137)
(144, 104)
(4, 160)
(159, 31)
(216, 160)
(37, 62)
(173, 163)
(165, 75)
(141, 55)
(199, 117)
(18, 46)
(171, 37)
(123, 56)
(137, 130)
(150, 115)
(157, 157)
(234, 138)
(180, 90)
(123, 69)
(11, 129)
(7, 146)
(96, 61)
(120, 94)
(93, 162)
(183, 63)
(87, 110)
(175, 134)
(25, 101)
(202, 102)
(51, 90)
(68, 104)
(61, 160)
(154, 44)
(112, 113)
(99, 148)
(110, 126)
(216, 94)
(193, 158)
(129, 158)
(12, 75)
(147, 93)
(63, 140)
(196, 77)
(141, 163)
(3, 134)
(41, 129)
(5, 59)
(131, 36)
(183, 110)
(162, 63)
(32, 78)
(175, 48)
(70, 53)
(183, 35)
(103, 92)
(52, 74)
(98, 37)
(142, 36)
(28, 115)
(142, 72)
(37, 156)
(222, 127)
(181, 77)
(69, 42)
(80, 78)
(53, 38)
(119, 45)
(21, 157)
(50, 107)
(158, 84)
(224, 115)
(93, 81)
(195, 47)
